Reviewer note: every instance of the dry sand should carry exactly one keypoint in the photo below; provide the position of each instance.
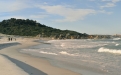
(15, 62)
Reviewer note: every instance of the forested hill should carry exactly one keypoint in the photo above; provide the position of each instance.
(32, 28)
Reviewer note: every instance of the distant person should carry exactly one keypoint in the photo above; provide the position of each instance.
(8, 39)
(11, 39)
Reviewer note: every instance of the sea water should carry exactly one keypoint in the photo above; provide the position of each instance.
(87, 57)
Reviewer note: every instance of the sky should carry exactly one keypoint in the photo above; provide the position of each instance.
(84, 16)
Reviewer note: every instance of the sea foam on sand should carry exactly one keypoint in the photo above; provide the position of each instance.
(9, 68)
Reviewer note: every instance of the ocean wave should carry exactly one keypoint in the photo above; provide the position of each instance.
(33, 50)
(116, 44)
(48, 53)
(75, 44)
(102, 49)
(66, 53)
(116, 38)
(79, 46)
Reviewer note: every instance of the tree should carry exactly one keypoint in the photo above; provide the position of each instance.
(32, 28)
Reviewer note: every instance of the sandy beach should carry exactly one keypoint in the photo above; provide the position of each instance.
(13, 62)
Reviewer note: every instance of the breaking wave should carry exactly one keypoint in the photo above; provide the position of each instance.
(109, 50)
(116, 38)
(66, 53)
(32, 50)
(48, 53)
(116, 44)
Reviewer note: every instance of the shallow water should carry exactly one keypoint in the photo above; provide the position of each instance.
(7, 44)
(88, 57)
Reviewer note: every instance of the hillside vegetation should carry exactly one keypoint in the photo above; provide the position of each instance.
(32, 28)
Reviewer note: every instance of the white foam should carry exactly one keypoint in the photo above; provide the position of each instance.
(66, 53)
(81, 46)
(48, 53)
(116, 44)
(75, 44)
(116, 38)
(36, 50)
(109, 50)
(33, 50)
(63, 44)
(113, 42)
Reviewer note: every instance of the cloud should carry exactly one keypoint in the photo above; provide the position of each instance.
(13, 5)
(62, 13)
(38, 16)
(110, 3)
(113, 1)
(92, 0)
(70, 14)
(105, 12)
(105, 0)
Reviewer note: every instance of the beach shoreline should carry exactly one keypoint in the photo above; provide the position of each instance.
(34, 63)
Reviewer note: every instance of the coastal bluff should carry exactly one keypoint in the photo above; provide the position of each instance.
(31, 28)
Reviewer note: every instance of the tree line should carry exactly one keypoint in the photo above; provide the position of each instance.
(27, 27)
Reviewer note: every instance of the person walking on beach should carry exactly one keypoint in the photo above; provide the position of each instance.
(8, 39)
(11, 39)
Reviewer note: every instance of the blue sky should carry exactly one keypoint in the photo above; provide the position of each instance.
(84, 16)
